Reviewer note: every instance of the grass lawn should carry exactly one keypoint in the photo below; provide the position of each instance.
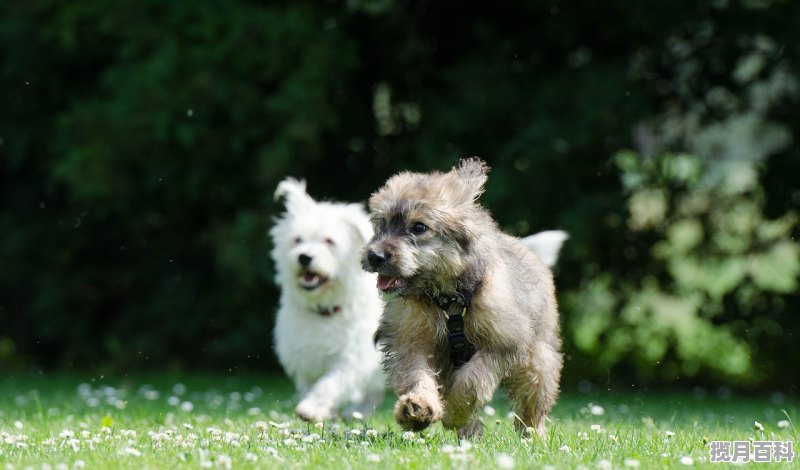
(246, 422)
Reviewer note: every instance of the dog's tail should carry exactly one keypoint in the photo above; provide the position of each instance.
(294, 191)
(546, 245)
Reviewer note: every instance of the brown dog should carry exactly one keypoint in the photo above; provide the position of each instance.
(468, 308)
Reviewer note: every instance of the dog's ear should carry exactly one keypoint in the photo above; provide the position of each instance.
(294, 191)
(472, 167)
(472, 174)
(358, 219)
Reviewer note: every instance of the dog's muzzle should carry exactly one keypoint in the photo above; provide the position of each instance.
(377, 259)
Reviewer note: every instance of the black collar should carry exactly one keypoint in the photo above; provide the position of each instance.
(462, 297)
(328, 311)
(446, 301)
(461, 349)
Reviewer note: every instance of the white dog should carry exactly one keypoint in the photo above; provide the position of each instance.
(329, 306)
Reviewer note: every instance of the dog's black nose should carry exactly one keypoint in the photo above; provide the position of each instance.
(377, 258)
(304, 260)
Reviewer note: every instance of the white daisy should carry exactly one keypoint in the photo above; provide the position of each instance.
(132, 451)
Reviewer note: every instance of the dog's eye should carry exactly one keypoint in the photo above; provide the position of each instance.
(419, 228)
(298, 240)
(330, 241)
(379, 224)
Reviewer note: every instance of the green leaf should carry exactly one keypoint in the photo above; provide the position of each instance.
(106, 422)
(778, 268)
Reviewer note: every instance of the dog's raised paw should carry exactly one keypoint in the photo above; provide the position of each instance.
(413, 413)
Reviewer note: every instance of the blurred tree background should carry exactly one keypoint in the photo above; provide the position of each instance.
(141, 141)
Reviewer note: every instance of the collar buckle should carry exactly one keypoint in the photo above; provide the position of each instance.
(461, 348)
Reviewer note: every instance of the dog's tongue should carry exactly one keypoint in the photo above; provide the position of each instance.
(387, 282)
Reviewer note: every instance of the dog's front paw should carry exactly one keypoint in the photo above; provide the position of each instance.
(309, 411)
(413, 413)
(462, 403)
(471, 430)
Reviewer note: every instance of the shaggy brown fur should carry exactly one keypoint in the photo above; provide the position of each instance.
(433, 238)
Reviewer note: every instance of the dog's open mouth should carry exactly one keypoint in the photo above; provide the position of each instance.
(389, 283)
(310, 280)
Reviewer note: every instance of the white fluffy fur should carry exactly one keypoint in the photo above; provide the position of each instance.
(331, 359)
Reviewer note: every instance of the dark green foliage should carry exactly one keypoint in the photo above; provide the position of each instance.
(141, 143)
